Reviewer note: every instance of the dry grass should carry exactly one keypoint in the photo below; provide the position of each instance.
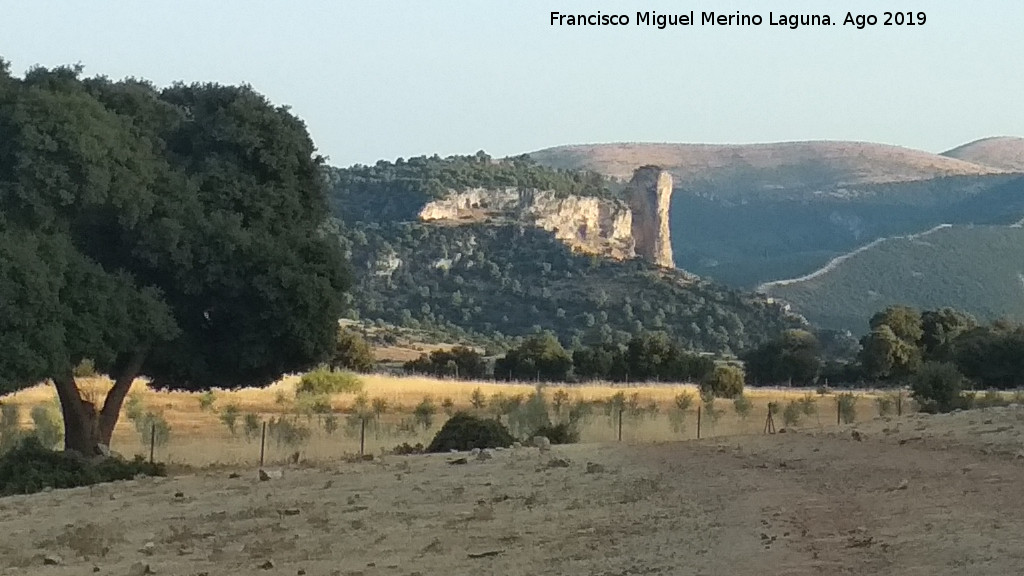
(199, 437)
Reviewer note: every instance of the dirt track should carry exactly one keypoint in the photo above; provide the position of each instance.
(922, 495)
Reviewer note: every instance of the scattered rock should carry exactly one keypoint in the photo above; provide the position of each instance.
(458, 461)
(485, 554)
(367, 457)
(542, 442)
(484, 454)
(267, 565)
(594, 468)
(148, 548)
(179, 495)
(558, 463)
(903, 485)
(52, 560)
(783, 431)
(234, 475)
(289, 512)
(266, 475)
(140, 569)
(857, 435)
(474, 451)
(517, 445)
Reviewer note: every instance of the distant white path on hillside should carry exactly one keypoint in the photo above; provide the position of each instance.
(833, 263)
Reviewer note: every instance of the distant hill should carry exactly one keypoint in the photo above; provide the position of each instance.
(1003, 152)
(491, 279)
(979, 269)
(724, 170)
(747, 214)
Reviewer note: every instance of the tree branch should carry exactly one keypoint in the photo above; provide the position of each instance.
(115, 397)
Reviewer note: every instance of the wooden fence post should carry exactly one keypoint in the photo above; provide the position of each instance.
(698, 422)
(263, 443)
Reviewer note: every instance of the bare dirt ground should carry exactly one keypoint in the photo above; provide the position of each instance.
(916, 495)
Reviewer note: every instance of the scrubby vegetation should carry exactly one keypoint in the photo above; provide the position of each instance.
(464, 432)
(323, 381)
(31, 467)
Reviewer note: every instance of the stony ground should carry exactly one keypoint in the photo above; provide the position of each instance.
(918, 495)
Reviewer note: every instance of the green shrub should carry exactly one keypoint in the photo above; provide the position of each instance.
(477, 399)
(424, 412)
(30, 467)
(559, 400)
(252, 426)
(808, 405)
(10, 428)
(464, 432)
(48, 424)
(404, 449)
(792, 413)
(85, 369)
(562, 433)
(153, 426)
(448, 405)
(326, 382)
(937, 386)
(846, 404)
(287, 432)
(530, 415)
(743, 406)
(684, 400)
(886, 405)
(206, 400)
(723, 382)
(229, 416)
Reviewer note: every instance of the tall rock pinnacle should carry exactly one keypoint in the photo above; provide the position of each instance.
(650, 194)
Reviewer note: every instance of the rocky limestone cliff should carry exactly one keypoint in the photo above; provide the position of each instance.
(650, 194)
(592, 225)
(588, 224)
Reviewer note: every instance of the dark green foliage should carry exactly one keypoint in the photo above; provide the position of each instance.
(459, 362)
(937, 386)
(646, 357)
(787, 233)
(846, 404)
(31, 467)
(970, 268)
(352, 352)
(723, 382)
(539, 357)
(794, 358)
(561, 433)
(464, 432)
(493, 282)
(397, 191)
(326, 382)
(405, 449)
(177, 234)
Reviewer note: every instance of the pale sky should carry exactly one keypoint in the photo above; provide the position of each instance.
(381, 79)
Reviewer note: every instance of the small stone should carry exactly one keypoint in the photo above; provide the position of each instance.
(484, 454)
(474, 451)
(140, 569)
(458, 461)
(148, 548)
(269, 474)
(517, 445)
(290, 512)
(179, 495)
(594, 468)
(52, 560)
(542, 442)
(267, 565)
(301, 572)
(558, 463)
(903, 485)
(234, 475)
(857, 435)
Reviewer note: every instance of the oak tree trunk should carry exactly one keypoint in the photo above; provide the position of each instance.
(81, 425)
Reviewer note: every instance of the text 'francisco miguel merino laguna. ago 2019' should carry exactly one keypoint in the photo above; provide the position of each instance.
(792, 21)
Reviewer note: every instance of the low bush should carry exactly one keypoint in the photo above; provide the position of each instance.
(743, 406)
(464, 432)
(792, 413)
(846, 404)
(325, 382)
(724, 382)
(563, 433)
(31, 467)
(405, 449)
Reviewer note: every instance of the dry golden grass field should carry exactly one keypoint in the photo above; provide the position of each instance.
(199, 437)
(914, 495)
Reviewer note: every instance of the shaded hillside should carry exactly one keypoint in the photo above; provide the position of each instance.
(493, 281)
(777, 170)
(1003, 152)
(745, 244)
(977, 269)
(746, 214)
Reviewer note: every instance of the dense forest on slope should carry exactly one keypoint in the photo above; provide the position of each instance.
(752, 239)
(976, 269)
(494, 283)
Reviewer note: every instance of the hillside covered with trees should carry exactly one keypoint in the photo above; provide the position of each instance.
(494, 282)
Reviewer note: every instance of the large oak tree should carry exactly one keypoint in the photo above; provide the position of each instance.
(176, 234)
